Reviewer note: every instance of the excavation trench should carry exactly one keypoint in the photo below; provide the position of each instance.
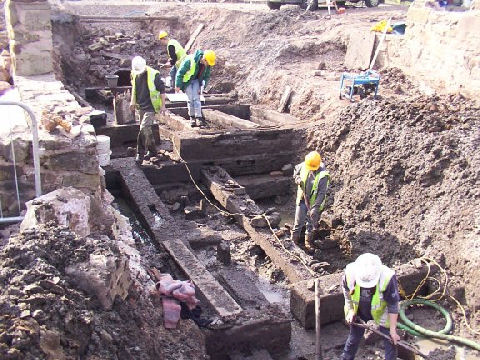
(242, 161)
(239, 266)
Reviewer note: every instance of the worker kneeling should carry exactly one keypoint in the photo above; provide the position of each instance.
(371, 293)
(312, 179)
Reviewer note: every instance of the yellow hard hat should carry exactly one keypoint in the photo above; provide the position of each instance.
(209, 56)
(313, 160)
(162, 34)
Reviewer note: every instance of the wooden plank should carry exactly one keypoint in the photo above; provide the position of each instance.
(227, 121)
(273, 116)
(193, 37)
(285, 100)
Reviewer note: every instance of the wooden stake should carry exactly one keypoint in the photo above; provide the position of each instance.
(318, 345)
(193, 37)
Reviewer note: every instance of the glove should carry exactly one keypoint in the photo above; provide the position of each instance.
(350, 317)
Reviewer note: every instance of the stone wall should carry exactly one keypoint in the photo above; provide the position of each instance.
(67, 158)
(68, 153)
(30, 32)
(442, 48)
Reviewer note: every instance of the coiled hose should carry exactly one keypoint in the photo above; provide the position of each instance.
(417, 330)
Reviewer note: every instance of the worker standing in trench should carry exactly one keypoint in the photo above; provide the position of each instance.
(312, 179)
(176, 54)
(148, 99)
(371, 293)
(192, 77)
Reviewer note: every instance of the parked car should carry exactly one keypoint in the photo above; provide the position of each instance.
(275, 4)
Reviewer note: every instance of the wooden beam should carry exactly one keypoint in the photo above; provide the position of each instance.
(227, 121)
(193, 37)
(285, 100)
(273, 116)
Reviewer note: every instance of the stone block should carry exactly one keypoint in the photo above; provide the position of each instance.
(27, 64)
(65, 207)
(82, 181)
(105, 276)
(36, 19)
(72, 161)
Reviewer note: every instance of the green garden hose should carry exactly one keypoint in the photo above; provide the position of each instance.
(417, 330)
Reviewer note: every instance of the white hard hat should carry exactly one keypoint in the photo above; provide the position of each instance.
(367, 270)
(138, 65)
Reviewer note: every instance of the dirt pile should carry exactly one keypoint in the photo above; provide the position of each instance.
(405, 179)
(46, 314)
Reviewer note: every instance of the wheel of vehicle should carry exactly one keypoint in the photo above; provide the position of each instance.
(273, 5)
(371, 3)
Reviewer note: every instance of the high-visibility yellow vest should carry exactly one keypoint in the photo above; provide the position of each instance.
(191, 71)
(313, 195)
(378, 305)
(179, 51)
(155, 96)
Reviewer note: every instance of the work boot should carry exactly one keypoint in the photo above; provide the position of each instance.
(149, 155)
(309, 247)
(138, 159)
(295, 238)
(200, 122)
(192, 122)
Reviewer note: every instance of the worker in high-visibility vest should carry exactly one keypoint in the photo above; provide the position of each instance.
(371, 293)
(148, 99)
(176, 54)
(192, 77)
(312, 179)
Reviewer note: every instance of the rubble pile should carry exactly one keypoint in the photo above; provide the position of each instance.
(102, 51)
(71, 288)
(385, 156)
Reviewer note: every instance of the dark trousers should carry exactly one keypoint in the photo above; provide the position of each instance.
(354, 338)
(145, 138)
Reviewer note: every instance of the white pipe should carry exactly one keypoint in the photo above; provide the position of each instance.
(36, 156)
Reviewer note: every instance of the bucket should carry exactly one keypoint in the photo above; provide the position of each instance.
(103, 150)
(104, 159)
(112, 80)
